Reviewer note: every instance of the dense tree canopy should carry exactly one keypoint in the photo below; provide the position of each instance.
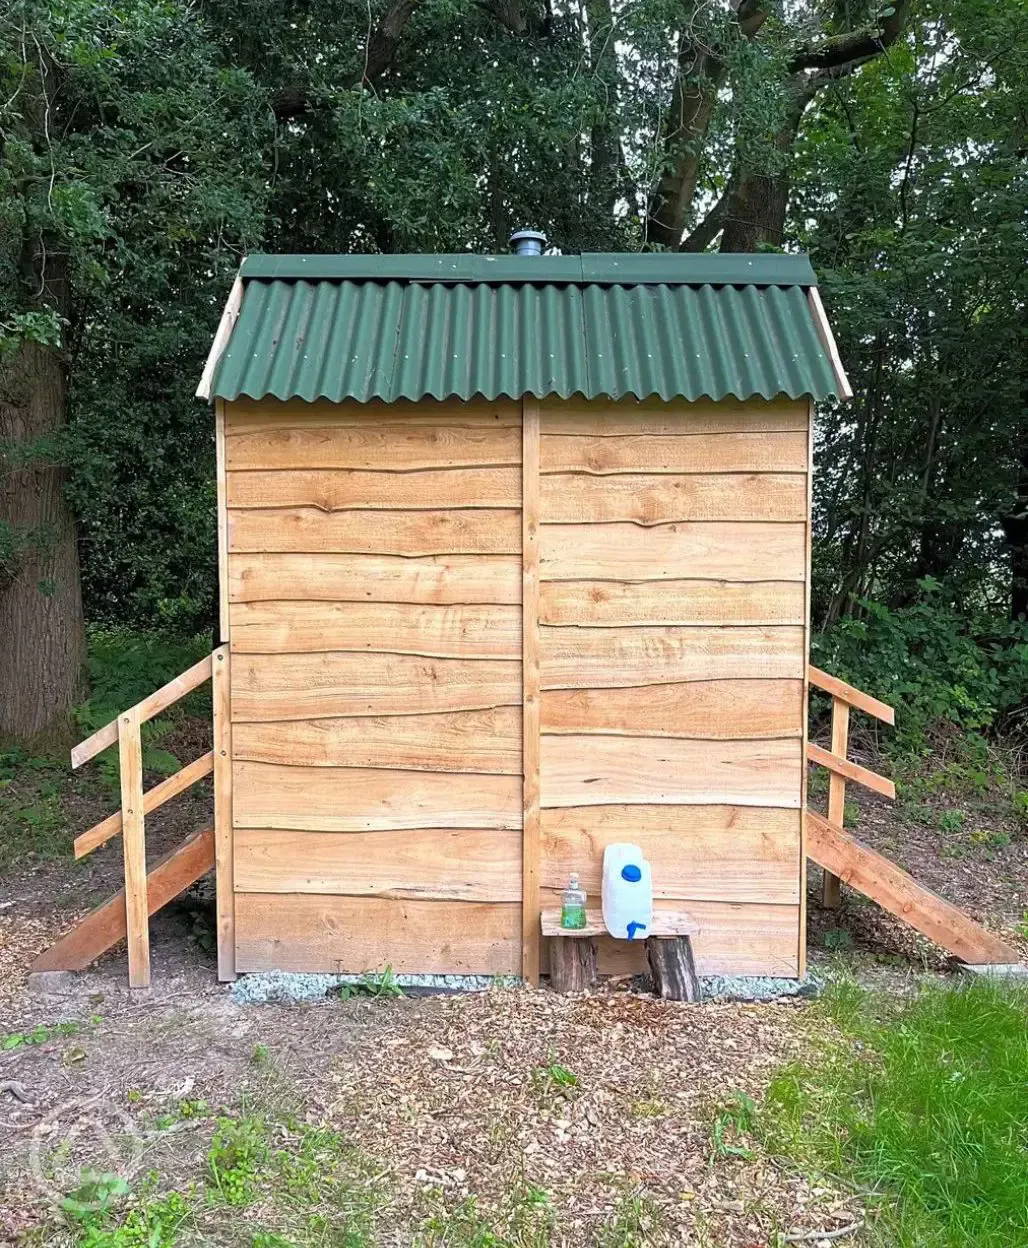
(146, 145)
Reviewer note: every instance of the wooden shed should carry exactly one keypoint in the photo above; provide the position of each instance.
(514, 563)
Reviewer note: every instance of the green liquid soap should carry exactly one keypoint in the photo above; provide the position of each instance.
(572, 907)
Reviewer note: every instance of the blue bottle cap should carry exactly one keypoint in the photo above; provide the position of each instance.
(631, 873)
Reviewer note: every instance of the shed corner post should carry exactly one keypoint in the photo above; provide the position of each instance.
(530, 834)
(801, 952)
(224, 865)
(224, 622)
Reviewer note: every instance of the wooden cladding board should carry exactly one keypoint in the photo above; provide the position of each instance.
(614, 604)
(353, 489)
(732, 939)
(311, 932)
(367, 799)
(459, 864)
(305, 686)
(375, 565)
(704, 709)
(468, 630)
(457, 741)
(661, 498)
(711, 550)
(598, 770)
(485, 531)
(698, 853)
(720, 452)
(332, 577)
(605, 658)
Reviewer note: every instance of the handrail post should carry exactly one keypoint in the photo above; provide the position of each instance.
(133, 835)
(831, 897)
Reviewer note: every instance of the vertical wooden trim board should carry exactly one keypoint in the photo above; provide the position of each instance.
(801, 959)
(530, 905)
(133, 833)
(223, 835)
(222, 483)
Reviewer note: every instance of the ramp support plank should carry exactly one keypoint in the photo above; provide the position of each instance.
(105, 926)
(891, 887)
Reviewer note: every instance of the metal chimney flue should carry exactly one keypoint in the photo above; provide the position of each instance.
(528, 243)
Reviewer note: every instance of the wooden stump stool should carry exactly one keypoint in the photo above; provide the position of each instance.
(669, 949)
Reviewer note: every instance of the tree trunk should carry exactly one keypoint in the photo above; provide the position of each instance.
(41, 623)
(757, 200)
(1015, 531)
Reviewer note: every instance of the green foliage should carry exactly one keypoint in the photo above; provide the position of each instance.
(40, 1034)
(235, 1158)
(155, 1223)
(733, 1121)
(922, 1102)
(373, 984)
(125, 667)
(951, 676)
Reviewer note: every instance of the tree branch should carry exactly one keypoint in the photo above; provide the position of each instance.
(853, 45)
(379, 50)
(704, 233)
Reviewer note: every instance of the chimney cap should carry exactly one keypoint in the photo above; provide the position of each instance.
(528, 242)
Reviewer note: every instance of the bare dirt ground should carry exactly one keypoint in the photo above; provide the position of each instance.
(618, 1107)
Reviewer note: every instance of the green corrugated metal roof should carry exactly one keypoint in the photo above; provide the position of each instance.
(410, 327)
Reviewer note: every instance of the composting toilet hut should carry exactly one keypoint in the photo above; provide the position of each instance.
(514, 563)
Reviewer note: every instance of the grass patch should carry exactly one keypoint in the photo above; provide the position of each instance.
(922, 1102)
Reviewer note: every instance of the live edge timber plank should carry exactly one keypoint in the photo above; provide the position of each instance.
(105, 926)
(891, 887)
(308, 932)
(657, 498)
(679, 418)
(365, 799)
(454, 741)
(253, 415)
(470, 631)
(615, 604)
(604, 658)
(712, 709)
(720, 452)
(350, 489)
(457, 864)
(387, 447)
(376, 578)
(732, 939)
(306, 529)
(596, 770)
(719, 550)
(319, 686)
(698, 853)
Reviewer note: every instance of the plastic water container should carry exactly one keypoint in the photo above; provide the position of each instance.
(627, 892)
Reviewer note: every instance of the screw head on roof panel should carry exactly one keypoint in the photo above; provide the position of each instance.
(528, 243)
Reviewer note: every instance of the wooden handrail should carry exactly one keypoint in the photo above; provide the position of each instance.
(136, 804)
(844, 697)
(850, 771)
(856, 698)
(102, 832)
(107, 736)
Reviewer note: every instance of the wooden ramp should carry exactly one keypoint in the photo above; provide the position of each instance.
(106, 925)
(876, 877)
